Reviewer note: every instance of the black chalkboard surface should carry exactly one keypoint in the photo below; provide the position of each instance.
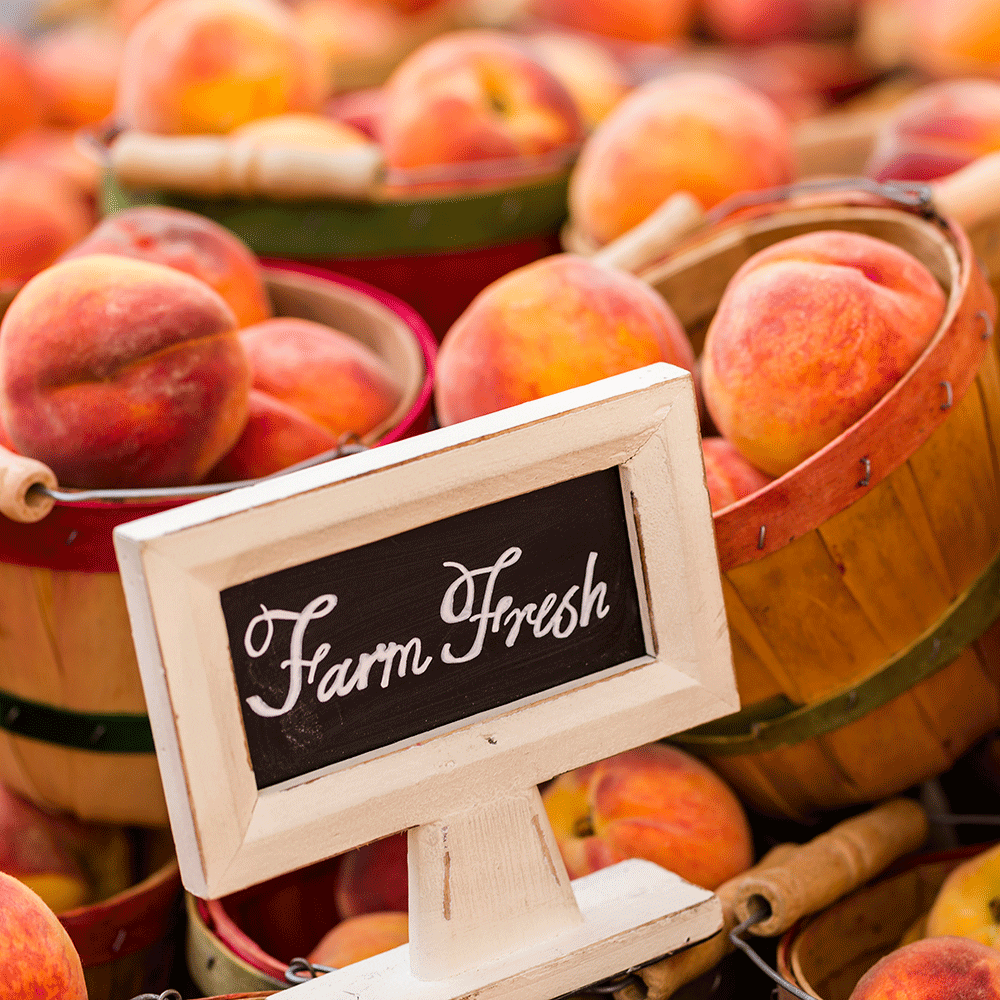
(384, 644)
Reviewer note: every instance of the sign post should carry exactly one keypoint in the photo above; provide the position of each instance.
(415, 637)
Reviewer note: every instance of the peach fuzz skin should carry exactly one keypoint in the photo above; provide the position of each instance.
(938, 129)
(654, 802)
(655, 21)
(122, 373)
(965, 902)
(552, 325)
(209, 66)
(729, 476)
(188, 242)
(312, 385)
(360, 937)
(933, 968)
(38, 958)
(474, 95)
(21, 101)
(810, 333)
(700, 132)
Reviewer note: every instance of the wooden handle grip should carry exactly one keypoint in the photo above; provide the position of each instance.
(654, 237)
(663, 979)
(972, 194)
(833, 864)
(217, 165)
(17, 475)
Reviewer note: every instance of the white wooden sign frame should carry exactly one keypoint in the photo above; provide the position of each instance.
(230, 835)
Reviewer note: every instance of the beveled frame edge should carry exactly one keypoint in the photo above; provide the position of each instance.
(228, 834)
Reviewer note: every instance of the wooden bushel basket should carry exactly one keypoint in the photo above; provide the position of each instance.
(827, 954)
(859, 585)
(74, 735)
(434, 237)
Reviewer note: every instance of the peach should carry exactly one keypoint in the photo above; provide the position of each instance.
(122, 373)
(276, 436)
(373, 878)
(302, 130)
(655, 802)
(56, 150)
(76, 64)
(361, 109)
(968, 902)
(730, 477)
(188, 242)
(701, 132)
(360, 937)
(359, 41)
(38, 960)
(41, 215)
(659, 21)
(560, 322)
(20, 96)
(750, 22)
(936, 130)
(68, 862)
(471, 95)
(932, 968)
(312, 387)
(590, 72)
(809, 334)
(952, 38)
(208, 66)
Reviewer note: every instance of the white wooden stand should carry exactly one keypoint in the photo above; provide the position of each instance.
(493, 913)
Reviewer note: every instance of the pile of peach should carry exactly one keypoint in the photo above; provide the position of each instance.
(148, 356)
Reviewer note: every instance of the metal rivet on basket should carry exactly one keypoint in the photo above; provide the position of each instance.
(419, 217)
(946, 385)
(510, 208)
(987, 323)
(210, 962)
(761, 536)
(12, 715)
(866, 478)
(98, 733)
(116, 945)
(71, 537)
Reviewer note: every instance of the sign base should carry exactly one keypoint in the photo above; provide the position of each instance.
(632, 912)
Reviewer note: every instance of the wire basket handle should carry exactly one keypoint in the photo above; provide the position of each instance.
(20, 500)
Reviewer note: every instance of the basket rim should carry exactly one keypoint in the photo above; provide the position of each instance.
(879, 442)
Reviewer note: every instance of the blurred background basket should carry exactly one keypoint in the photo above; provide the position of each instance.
(860, 587)
(74, 735)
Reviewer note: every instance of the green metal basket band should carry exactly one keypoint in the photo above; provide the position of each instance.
(99, 732)
(780, 722)
(343, 229)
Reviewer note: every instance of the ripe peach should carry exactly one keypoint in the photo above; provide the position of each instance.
(360, 937)
(701, 132)
(373, 878)
(632, 20)
(122, 373)
(208, 66)
(938, 129)
(20, 97)
(188, 242)
(551, 325)
(276, 436)
(655, 802)
(474, 94)
(953, 38)
(729, 476)
(968, 902)
(809, 334)
(360, 109)
(55, 150)
(41, 215)
(76, 64)
(312, 385)
(931, 968)
(37, 957)
(595, 78)
(301, 130)
(749, 22)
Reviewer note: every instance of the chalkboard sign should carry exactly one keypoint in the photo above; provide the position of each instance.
(348, 650)
(400, 638)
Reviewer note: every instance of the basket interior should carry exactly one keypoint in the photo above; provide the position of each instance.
(366, 319)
